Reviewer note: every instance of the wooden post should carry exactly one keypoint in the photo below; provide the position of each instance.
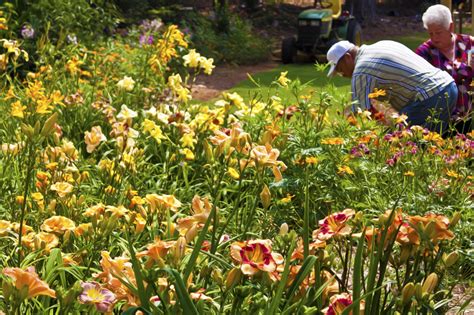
(447, 3)
(472, 17)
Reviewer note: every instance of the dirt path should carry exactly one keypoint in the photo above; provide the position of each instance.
(225, 77)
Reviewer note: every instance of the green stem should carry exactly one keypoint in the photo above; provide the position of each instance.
(29, 173)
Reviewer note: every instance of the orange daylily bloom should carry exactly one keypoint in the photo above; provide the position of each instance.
(41, 240)
(298, 253)
(30, 279)
(333, 141)
(156, 252)
(189, 226)
(58, 224)
(162, 202)
(439, 223)
(62, 188)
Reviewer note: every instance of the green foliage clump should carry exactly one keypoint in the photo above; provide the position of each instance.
(240, 45)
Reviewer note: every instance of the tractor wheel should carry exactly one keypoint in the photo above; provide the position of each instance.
(288, 50)
(354, 33)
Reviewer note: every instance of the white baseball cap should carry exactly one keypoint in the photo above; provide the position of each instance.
(336, 52)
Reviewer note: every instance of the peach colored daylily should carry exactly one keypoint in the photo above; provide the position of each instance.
(162, 202)
(156, 252)
(95, 210)
(255, 256)
(30, 279)
(62, 188)
(41, 240)
(58, 224)
(441, 226)
(118, 267)
(94, 138)
(266, 156)
(334, 224)
(189, 226)
(5, 227)
(298, 253)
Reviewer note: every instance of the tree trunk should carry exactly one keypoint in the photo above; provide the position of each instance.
(363, 10)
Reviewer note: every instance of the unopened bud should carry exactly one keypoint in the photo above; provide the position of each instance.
(450, 259)
(404, 254)
(37, 128)
(217, 276)
(233, 277)
(266, 196)
(283, 229)
(455, 219)
(27, 130)
(430, 229)
(48, 127)
(407, 292)
(430, 283)
(52, 205)
(418, 291)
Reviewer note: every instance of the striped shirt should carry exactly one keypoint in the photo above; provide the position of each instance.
(393, 67)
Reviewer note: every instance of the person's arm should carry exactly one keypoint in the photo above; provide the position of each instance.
(362, 86)
(424, 51)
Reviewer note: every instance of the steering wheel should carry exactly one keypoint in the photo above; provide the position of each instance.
(323, 4)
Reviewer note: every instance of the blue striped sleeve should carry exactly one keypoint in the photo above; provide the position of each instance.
(362, 86)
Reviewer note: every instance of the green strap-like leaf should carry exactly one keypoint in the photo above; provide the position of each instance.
(182, 293)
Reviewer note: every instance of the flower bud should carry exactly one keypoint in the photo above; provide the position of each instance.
(233, 277)
(266, 196)
(430, 283)
(27, 130)
(404, 254)
(450, 259)
(37, 128)
(430, 229)
(20, 200)
(455, 219)
(283, 229)
(407, 292)
(418, 291)
(48, 127)
(217, 276)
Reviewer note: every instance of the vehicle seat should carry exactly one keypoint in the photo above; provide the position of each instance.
(336, 8)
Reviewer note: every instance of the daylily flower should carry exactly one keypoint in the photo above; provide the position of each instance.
(334, 225)
(126, 113)
(62, 188)
(29, 278)
(192, 59)
(437, 226)
(94, 138)
(111, 270)
(162, 202)
(206, 64)
(41, 240)
(283, 80)
(332, 141)
(266, 156)
(127, 83)
(94, 294)
(255, 256)
(338, 303)
(190, 226)
(58, 224)
(17, 109)
(156, 252)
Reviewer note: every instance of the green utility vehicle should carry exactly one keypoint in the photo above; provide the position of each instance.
(319, 29)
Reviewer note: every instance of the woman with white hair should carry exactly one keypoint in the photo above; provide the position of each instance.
(450, 52)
